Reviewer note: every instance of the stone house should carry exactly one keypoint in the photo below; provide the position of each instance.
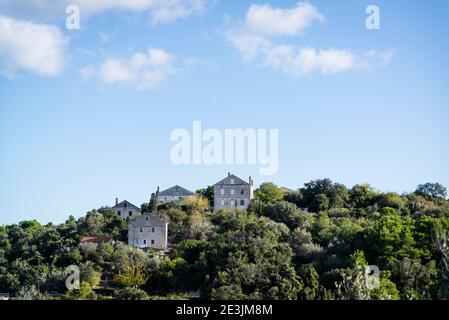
(172, 194)
(125, 209)
(233, 193)
(148, 231)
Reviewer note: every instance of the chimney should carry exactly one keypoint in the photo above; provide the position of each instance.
(250, 181)
(229, 174)
(157, 192)
(116, 201)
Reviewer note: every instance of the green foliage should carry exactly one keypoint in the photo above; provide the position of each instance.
(362, 195)
(387, 289)
(269, 193)
(321, 195)
(130, 294)
(207, 193)
(83, 293)
(390, 238)
(391, 200)
(133, 275)
(249, 254)
(285, 212)
(273, 250)
(432, 190)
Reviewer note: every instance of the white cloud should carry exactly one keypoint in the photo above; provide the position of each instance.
(268, 21)
(171, 10)
(38, 48)
(300, 61)
(142, 70)
(254, 40)
(161, 11)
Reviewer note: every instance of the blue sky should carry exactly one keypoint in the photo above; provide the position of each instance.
(80, 124)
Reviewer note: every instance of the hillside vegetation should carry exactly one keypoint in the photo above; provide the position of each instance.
(313, 243)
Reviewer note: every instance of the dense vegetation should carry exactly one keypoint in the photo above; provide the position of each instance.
(313, 243)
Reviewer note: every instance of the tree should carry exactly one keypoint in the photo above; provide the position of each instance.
(287, 213)
(199, 227)
(133, 275)
(353, 281)
(207, 193)
(268, 192)
(390, 238)
(414, 280)
(92, 224)
(171, 275)
(441, 240)
(319, 195)
(249, 254)
(89, 274)
(320, 203)
(196, 203)
(29, 293)
(312, 289)
(294, 197)
(387, 289)
(432, 190)
(130, 294)
(390, 200)
(362, 195)
(83, 293)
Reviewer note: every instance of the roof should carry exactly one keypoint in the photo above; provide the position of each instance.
(227, 181)
(176, 191)
(152, 221)
(96, 239)
(122, 205)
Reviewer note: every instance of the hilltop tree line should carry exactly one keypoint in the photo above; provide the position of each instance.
(312, 243)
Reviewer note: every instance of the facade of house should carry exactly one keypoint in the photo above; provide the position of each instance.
(233, 193)
(172, 194)
(126, 209)
(148, 231)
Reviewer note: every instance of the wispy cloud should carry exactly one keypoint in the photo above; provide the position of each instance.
(160, 11)
(37, 48)
(142, 70)
(171, 10)
(257, 41)
(268, 21)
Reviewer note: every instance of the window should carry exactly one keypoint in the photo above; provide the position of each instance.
(242, 191)
(146, 218)
(152, 241)
(153, 230)
(119, 212)
(222, 191)
(130, 213)
(232, 181)
(222, 202)
(232, 202)
(141, 229)
(136, 242)
(232, 192)
(242, 202)
(145, 242)
(125, 205)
